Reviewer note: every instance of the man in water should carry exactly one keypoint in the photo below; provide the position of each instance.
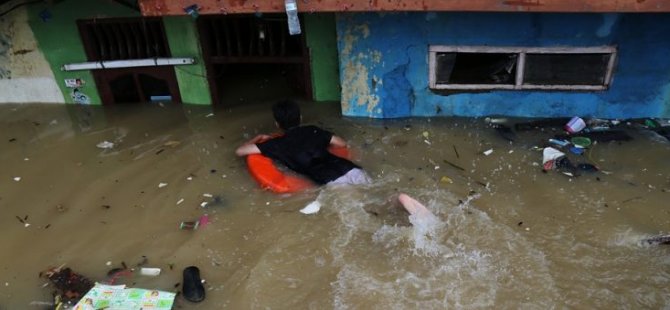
(304, 149)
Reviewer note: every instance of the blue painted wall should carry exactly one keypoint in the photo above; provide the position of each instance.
(384, 63)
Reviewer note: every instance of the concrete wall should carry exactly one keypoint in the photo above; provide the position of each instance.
(25, 75)
(384, 63)
(183, 40)
(59, 39)
(322, 43)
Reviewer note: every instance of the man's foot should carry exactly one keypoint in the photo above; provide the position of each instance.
(414, 207)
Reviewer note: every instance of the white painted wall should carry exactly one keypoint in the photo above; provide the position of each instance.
(25, 75)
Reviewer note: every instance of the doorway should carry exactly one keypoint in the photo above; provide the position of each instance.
(251, 57)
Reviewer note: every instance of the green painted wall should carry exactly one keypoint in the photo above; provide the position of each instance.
(183, 39)
(322, 42)
(59, 38)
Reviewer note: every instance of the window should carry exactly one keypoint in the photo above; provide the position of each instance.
(520, 68)
(124, 38)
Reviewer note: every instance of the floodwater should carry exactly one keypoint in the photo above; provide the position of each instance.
(508, 235)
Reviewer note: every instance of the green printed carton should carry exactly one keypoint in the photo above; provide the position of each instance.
(112, 297)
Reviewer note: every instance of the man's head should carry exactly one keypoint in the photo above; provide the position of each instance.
(286, 114)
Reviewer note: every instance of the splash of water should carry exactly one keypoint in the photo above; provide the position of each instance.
(450, 260)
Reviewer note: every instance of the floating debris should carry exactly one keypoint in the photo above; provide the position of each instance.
(453, 165)
(105, 145)
(575, 125)
(311, 208)
(446, 179)
(122, 297)
(41, 304)
(189, 225)
(70, 286)
(151, 272)
(657, 240)
(203, 220)
(171, 143)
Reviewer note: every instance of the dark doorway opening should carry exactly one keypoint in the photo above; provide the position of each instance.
(127, 39)
(239, 83)
(251, 57)
(123, 86)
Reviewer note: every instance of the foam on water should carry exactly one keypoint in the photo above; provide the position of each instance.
(451, 260)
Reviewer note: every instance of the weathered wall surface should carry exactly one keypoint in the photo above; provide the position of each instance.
(172, 7)
(25, 75)
(58, 38)
(384, 63)
(322, 43)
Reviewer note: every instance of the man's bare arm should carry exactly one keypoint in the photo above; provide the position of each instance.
(250, 147)
(337, 141)
(247, 149)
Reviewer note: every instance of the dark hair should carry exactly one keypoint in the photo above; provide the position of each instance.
(287, 114)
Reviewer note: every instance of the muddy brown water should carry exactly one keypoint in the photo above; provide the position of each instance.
(508, 235)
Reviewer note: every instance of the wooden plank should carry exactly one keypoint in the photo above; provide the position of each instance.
(251, 37)
(171, 7)
(217, 37)
(269, 36)
(229, 45)
(238, 37)
(101, 39)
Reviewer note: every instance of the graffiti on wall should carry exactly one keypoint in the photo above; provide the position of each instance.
(5, 50)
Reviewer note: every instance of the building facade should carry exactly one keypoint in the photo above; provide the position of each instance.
(378, 59)
(469, 64)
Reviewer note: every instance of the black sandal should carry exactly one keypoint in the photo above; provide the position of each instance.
(192, 289)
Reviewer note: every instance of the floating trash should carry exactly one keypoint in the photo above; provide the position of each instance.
(581, 141)
(105, 145)
(189, 225)
(311, 208)
(446, 179)
(151, 272)
(575, 125)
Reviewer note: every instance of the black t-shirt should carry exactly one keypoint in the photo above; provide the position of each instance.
(304, 150)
